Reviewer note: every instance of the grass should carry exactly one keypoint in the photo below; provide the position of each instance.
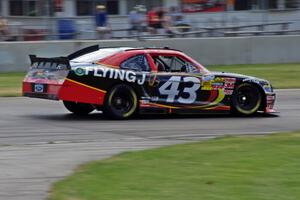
(280, 75)
(11, 84)
(229, 168)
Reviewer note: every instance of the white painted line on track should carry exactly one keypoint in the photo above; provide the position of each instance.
(213, 135)
(286, 90)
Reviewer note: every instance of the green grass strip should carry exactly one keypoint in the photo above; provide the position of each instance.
(11, 84)
(230, 168)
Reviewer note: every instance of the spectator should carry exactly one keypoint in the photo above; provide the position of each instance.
(142, 13)
(164, 21)
(174, 14)
(153, 20)
(178, 21)
(230, 5)
(102, 27)
(133, 20)
(3, 28)
(137, 19)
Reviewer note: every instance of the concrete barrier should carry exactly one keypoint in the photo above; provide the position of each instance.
(207, 51)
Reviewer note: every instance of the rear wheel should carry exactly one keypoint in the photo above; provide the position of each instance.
(121, 102)
(246, 99)
(78, 108)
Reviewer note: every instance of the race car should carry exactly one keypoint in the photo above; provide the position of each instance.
(123, 81)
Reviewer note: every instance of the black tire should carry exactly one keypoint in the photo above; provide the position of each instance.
(78, 108)
(246, 99)
(121, 102)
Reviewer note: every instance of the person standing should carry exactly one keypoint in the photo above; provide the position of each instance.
(173, 13)
(230, 5)
(178, 22)
(102, 28)
(153, 20)
(3, 28)
(133, 19)
(165, 21)
(137, 19)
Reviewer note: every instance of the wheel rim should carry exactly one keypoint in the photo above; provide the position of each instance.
(122, 101)
(248, 99)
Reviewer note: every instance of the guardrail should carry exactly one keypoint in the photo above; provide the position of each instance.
(176, 32)
(275, 32)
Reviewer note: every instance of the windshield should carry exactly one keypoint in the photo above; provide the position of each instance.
(98, 55)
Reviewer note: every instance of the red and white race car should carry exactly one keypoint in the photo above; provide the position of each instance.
(123, 81)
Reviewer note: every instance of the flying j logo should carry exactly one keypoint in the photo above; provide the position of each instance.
(123, 75)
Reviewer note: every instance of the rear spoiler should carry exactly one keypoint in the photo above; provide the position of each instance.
(49, 62)
(83, 51)
(56, 61)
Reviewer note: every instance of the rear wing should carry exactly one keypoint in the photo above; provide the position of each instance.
(59, 63)
(83, 51)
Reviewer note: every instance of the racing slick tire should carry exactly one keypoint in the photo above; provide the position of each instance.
(246, 99)
(78, 108)
(121, 102)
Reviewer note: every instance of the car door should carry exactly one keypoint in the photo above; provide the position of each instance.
(172, 84)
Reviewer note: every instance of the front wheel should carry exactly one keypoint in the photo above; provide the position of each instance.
(78, 108)
(121, 102)
(246, 99)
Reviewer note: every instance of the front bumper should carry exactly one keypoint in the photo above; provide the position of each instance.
(270, 102)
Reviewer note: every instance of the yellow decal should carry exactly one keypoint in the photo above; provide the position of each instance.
(206, 85)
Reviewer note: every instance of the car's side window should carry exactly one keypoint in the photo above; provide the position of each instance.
(191, 68)
(136, 63)
(175, 64)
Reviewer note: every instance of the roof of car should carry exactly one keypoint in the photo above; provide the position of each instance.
(154, 49)
(115, 55)
(97, 48)
(144, 49)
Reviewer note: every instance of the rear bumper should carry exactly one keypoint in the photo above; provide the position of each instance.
(41, 96)
(49, 91)
(69, 90)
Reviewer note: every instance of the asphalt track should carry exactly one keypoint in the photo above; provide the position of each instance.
(40, 142)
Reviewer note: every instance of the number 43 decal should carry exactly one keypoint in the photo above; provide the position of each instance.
(171, 89)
